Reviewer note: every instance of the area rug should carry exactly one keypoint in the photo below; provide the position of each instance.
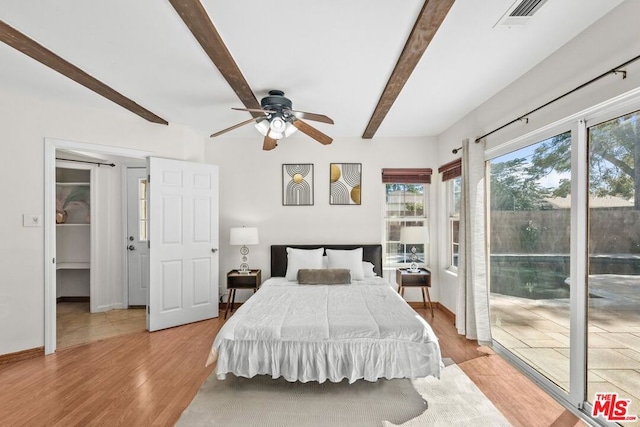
(262, 401)
(454, 400)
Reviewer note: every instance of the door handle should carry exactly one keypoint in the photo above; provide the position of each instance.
(131, 248)
(214, 250)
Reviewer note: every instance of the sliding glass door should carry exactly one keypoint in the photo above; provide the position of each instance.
(564, 248)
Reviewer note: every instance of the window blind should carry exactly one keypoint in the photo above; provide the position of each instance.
(407, 176)
(451, 170)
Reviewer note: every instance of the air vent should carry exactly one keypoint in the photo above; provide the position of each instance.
(527, 7)
(520, 13)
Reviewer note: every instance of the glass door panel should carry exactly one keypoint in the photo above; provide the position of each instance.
(613, 341)
(530, 217)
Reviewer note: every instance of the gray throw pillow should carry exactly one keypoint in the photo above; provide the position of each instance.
(324, 276)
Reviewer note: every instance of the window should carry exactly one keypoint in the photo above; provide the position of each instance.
(451, 175)
(454, 192)
(406, 232)
(405, 207)
(143, 214)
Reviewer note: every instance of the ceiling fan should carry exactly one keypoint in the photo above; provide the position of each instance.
(276, 120)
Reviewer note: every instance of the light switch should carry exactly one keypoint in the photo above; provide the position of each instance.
(32, 220)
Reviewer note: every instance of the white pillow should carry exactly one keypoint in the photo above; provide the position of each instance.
(302, 258)
(367, 268)
(350, 259)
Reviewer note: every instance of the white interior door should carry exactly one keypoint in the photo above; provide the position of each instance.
(137, 242)
(183, 237)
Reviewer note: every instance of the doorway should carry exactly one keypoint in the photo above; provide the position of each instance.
(106, 259)
(91, 307)
(182, 220)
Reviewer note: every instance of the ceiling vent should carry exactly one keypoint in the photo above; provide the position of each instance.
(520, 13)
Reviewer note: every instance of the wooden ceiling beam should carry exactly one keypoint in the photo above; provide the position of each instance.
(197, 20)
(431, 16)
(33, 49)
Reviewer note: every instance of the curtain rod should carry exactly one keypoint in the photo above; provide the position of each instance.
(614, 70)
(86, 161)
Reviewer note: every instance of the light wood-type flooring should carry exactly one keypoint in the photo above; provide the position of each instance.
(142, 378)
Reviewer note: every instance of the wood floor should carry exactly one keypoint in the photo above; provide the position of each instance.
(144, 379)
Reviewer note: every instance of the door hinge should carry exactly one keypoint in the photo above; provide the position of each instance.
(53, 260)
(149, 244)
(148, 179)
(148, 309)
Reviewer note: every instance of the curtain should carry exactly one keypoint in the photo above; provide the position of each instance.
(472, 311)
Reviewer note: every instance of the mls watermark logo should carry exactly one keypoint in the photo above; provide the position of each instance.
(612, 408)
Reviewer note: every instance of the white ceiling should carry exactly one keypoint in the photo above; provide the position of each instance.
(331, 57)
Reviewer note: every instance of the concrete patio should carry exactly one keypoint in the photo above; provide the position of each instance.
(538, 332)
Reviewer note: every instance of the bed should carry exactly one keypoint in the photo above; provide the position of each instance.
(319, 332)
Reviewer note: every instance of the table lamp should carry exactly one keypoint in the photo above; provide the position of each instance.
(243, 236)
(414, 236)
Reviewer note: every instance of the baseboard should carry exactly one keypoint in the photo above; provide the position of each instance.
(73, 299)
(450, 314)
(21, 355)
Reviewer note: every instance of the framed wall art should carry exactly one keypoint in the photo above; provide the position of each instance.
(297, 184)
(345, 182)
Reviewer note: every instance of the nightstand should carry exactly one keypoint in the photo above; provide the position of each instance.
(420, 279)
(235, 280)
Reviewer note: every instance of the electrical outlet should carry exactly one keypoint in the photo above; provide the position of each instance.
(32, 220)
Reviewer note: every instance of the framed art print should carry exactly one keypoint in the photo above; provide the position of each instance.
(345, 183)
(297, 184)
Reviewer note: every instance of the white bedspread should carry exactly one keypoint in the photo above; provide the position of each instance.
(326, 332)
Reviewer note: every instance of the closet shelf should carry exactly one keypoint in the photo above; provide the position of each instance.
(73, 265)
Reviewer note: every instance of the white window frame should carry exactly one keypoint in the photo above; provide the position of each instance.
(454, 216)
(424, 219)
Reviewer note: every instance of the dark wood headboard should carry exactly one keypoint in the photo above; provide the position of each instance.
(371, 253)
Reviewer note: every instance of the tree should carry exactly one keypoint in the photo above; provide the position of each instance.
(515, 188)
(614, 158)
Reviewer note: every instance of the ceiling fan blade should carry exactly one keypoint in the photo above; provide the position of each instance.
(312, 116)
(254, 110)
(312, 132)
(269, 143)
(232, 127)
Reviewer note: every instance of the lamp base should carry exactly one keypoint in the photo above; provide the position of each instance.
(244, 269)
(413, 268)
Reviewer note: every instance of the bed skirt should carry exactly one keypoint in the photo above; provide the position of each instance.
(302, 361)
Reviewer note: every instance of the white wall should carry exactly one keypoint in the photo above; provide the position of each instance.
(251, 192)
(608, 43)
(25, 122)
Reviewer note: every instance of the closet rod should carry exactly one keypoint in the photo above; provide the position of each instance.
(614, 70)
(86, 161)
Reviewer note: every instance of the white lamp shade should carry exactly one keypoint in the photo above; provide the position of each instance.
(264, 127)
(415, 235)
(243, 236)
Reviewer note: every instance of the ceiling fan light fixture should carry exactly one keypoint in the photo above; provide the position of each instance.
(262, 126)
(281, 129)
(290, 129)
(277, 124)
